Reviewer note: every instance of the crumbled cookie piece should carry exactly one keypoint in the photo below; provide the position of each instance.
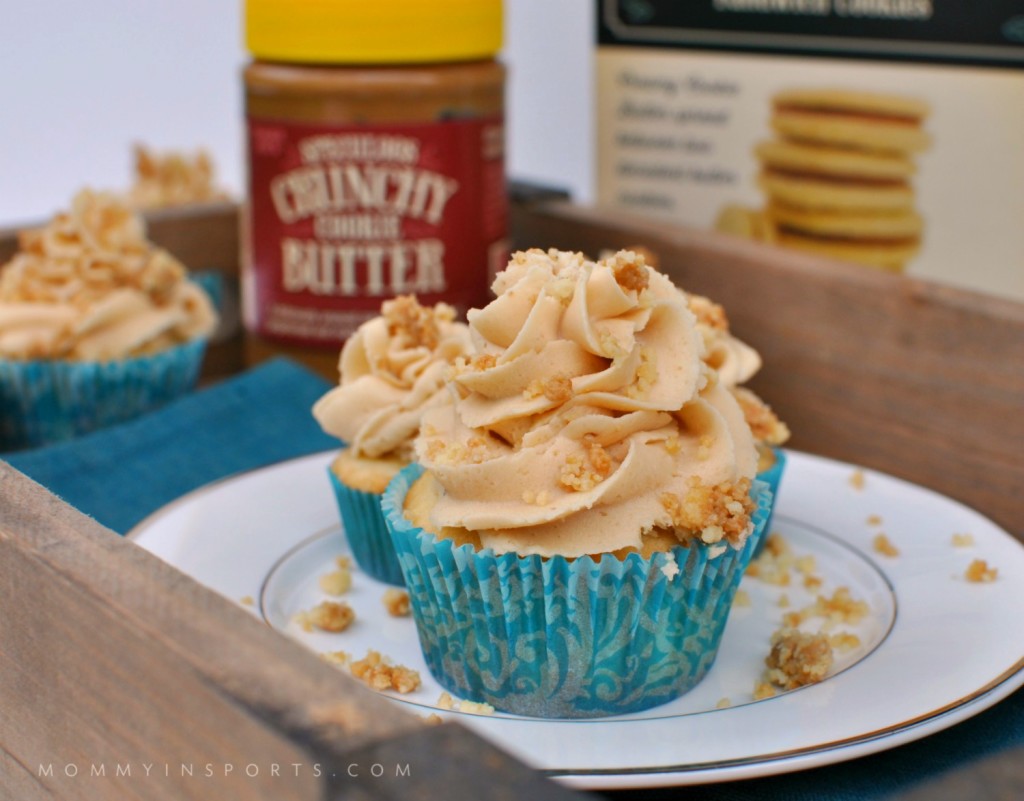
(979, 572)
(708, 312)
(874, 520)
(646, 375)
(376, 672)
(857, 479)
(396, 601)
(723, 703)
(484, 361)
(327, 616)
(962, 540)
(474, 450)
(764, 424)
(337, 582)
(883, 545)
(798, 659)
(338, 658)
(445, 701)
(557, 389)
(805, 565)
(246, 600)
(583, 472)
(474, 708)
(715, 513)
(630, 271)
(840, 608)
(742, 598)
(783, 601)
(844, 641)
(416, 324)
(813, 582)
(762, 690)
(775, 562)
(433, 719)
(173, 179)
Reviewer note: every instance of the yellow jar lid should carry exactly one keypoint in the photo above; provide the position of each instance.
(372, 31)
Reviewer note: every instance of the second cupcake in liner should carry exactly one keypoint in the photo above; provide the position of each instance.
(391, 371)
(567, 638)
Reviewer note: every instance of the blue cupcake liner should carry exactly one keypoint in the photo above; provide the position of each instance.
(560, 638)
(367, 532)
(772, 477)
(47, 401)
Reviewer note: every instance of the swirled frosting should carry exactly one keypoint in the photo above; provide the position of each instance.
(89, 287)
(587, 417)
(392, 370)
(736, 363)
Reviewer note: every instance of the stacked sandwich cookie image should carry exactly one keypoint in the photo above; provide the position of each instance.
(390, 372)
(837, 178)
(579, 517)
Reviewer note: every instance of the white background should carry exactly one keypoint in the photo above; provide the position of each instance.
(82, 81)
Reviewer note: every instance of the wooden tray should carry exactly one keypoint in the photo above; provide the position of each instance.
(109, 656)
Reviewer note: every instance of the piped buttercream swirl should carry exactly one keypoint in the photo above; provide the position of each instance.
(88, 286)
(392, 370)
(587, 417)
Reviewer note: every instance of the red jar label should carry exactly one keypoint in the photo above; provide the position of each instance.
(340, 219)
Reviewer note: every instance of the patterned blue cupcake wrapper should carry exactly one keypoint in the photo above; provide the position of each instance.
(560, 638)
(367, 532)
(49, 401)
(772, 477)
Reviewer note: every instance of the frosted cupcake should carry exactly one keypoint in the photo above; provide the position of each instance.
(586, 511)
(97, 325)
(392, 371)
(736, 363)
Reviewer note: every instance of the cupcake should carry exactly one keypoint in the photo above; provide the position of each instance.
(392, 371)
(579, 519)
(164, 180)
(97, 325)
(736, 363)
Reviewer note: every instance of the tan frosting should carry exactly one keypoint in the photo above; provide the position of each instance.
(89, 287)
(587, 417)
(173, 179)
(736, 363)
(392, 370)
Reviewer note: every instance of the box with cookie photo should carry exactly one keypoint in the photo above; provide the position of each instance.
(883, 133)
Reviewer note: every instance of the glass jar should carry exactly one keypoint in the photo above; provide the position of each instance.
(376, 165)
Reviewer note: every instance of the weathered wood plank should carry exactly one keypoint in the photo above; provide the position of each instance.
(917, 379)
(111, 657)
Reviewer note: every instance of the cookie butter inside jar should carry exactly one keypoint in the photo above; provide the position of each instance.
(376, 165)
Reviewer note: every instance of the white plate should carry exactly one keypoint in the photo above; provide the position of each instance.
(935, 649)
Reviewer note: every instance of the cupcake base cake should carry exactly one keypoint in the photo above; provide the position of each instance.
(358, 483)
(555, 637)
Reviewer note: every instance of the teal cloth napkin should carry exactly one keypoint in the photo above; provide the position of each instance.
(119, 475)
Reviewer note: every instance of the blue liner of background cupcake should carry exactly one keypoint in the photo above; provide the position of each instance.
(367, 533)
(772, 477)
(49, 401)
(560, 638)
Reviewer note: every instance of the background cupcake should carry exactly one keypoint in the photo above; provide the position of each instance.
(392, 371)
(97, 325)
(586, 514)
(736, 363)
